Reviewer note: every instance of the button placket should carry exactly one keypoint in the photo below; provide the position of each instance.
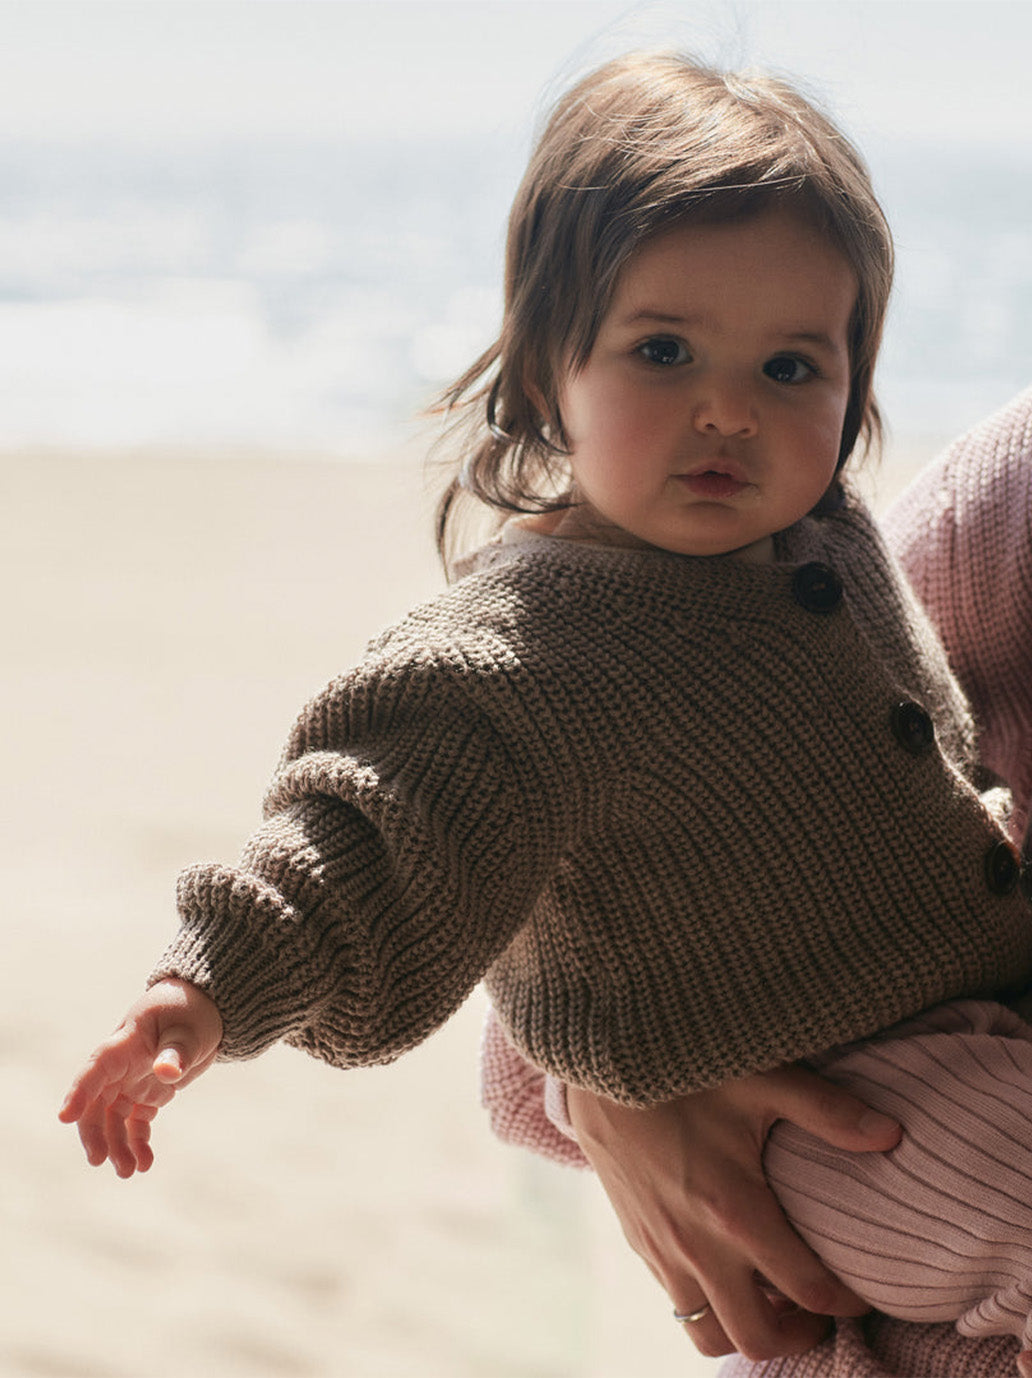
(912, 726)
(817, 588)
(1002, 869)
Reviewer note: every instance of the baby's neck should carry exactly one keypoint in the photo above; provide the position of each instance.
(583, 524)
(761, 552)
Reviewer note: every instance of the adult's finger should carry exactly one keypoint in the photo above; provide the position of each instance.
(745, 1317)
(705, 1332)
(755, 1229)
(828, 1111)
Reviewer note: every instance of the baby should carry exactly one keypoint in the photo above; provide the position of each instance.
(664, 766)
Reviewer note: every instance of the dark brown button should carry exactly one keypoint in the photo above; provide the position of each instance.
(1002, 868)
(913, 727)
(816, 588)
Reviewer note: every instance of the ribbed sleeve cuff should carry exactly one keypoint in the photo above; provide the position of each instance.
(557, 1109)
(229, 946)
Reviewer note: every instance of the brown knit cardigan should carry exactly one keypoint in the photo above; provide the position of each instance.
(689, 816)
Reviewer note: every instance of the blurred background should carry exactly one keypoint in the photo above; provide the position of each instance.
(242, 244)
(281, 223)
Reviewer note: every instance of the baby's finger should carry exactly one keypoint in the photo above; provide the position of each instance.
(119, 1148)
(169, 1066)
(138, 1128)
(183, 1054)
(108, 1066)
(93, 1132)
(87, 1087)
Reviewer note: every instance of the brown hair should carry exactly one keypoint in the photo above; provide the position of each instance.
(644, 142)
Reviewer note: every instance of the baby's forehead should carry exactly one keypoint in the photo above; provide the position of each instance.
(774, 268)
(782, 232)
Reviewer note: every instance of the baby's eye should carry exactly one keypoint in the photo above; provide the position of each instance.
(663, 350)
(786, 368)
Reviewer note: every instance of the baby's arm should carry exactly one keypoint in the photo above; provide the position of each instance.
(397, 858)
(166, 1040)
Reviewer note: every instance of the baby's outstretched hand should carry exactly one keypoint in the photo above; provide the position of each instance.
(166, 1040)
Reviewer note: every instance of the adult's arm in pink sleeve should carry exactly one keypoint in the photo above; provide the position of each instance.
(963, 533)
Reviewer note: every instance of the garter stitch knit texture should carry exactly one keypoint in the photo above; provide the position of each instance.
(662, 803)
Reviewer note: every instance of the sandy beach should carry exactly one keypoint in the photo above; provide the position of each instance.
(166, 616)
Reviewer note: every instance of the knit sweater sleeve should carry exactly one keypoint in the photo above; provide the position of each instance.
(963, 532)
(397, 858)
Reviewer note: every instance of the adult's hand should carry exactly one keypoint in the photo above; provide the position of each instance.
(686, 1181)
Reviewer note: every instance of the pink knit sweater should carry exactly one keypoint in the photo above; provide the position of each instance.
(963, 533)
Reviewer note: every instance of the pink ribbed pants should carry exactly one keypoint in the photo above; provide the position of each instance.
(939, 1229)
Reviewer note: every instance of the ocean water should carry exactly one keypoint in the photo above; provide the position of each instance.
(319, 295)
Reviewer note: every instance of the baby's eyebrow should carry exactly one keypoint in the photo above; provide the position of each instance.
(812, 337)
(662, 317)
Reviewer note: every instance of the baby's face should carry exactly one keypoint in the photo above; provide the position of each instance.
(709, 413)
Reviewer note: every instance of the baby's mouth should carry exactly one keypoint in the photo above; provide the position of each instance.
(713, 483)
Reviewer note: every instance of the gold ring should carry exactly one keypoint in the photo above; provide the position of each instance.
(690, 1317)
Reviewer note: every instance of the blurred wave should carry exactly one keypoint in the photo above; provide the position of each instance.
(318, 294)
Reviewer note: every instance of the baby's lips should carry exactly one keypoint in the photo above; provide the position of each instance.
(713, 483)
(728, 468)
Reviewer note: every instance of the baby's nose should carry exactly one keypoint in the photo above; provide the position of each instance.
(724, 410)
